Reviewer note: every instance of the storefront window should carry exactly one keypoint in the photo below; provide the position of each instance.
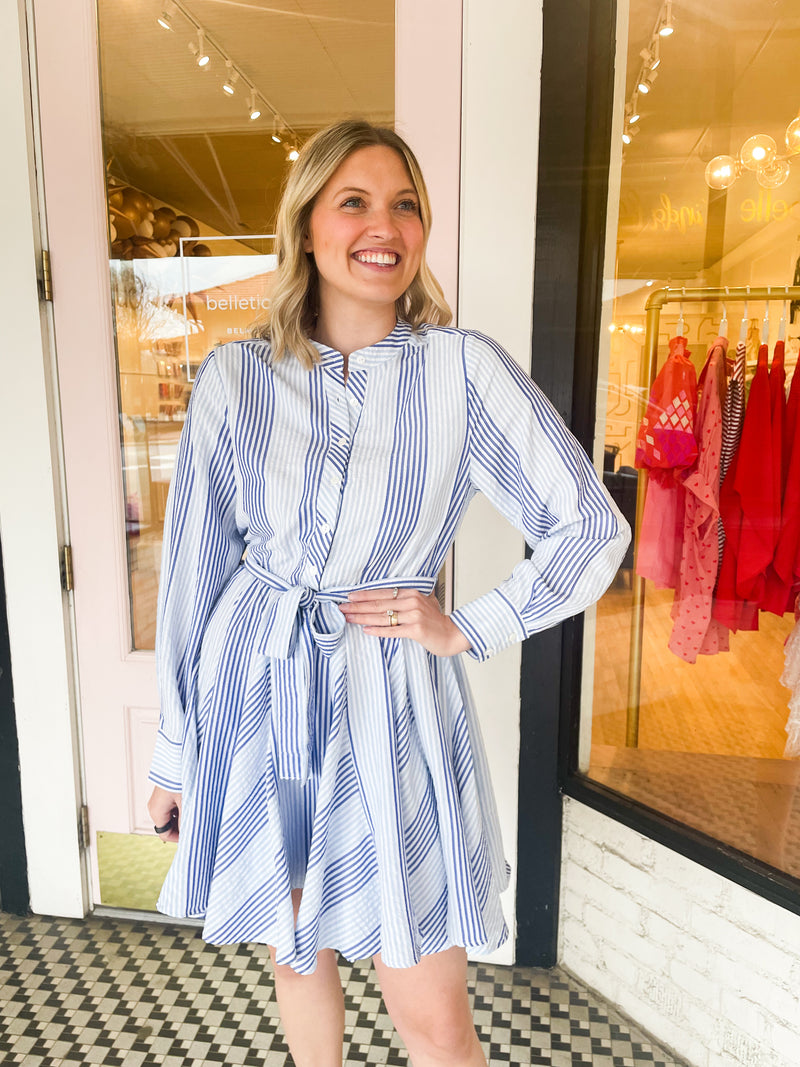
(687, 714)
(204, 106)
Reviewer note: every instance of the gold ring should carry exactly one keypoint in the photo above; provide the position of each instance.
(393, 619)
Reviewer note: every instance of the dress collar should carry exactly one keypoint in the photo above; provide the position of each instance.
(401, 336)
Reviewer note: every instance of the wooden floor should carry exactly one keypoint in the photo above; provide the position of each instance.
(711, 734)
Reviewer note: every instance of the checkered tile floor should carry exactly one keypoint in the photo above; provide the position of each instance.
(141, 994)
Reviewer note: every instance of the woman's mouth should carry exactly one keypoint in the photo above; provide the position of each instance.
(380, 259)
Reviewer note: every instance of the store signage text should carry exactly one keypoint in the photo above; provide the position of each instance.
(764, 209)
(666, 217)
(236, 303)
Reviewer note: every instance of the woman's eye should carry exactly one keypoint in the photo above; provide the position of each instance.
(353, 201)
(410, 206)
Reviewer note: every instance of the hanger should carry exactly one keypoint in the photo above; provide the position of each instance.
(765, 325)
(723, 322)
(681, 327)
(743, 327)
(782, 323)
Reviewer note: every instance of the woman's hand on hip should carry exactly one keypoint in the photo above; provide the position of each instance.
(405, 613)
(165, 811)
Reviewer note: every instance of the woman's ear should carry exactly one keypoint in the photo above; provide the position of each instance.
(307, 245)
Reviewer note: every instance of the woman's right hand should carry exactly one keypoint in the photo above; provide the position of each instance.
(165, 810)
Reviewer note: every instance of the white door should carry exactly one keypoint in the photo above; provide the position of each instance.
(186, 177)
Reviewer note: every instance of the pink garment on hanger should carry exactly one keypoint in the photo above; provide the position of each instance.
(695, 631)
(665, 447)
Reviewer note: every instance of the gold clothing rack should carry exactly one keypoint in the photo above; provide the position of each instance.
(649, 369)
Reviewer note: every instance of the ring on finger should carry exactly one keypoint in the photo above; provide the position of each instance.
(393, 618)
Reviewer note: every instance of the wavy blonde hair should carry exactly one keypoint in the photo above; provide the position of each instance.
(294, 296)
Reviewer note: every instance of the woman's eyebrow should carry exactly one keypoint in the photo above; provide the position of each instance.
(355, 189)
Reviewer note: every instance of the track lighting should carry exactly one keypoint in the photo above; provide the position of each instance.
(229, 85)
(667, 27)
(292, 154)
(253, 107)
(199, 50)
(646, 81)
(164, 20)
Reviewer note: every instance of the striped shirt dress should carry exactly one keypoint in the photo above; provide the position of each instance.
(308, 753)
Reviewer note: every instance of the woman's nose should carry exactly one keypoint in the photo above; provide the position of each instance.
(382, 223)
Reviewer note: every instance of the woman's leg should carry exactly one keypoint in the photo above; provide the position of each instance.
(429, 1006)
(312, 1008)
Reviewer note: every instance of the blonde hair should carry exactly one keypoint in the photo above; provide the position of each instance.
(295, 290)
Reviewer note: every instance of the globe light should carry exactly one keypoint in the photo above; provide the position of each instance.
(721, 172)
(793, 135)
(774, 174)
(758, 151)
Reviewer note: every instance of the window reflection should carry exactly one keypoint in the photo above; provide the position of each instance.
(193, 172)
(711, 742)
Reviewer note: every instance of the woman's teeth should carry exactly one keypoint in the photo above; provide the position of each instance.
(386, 259)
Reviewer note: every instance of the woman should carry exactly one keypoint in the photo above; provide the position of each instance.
(318, 747)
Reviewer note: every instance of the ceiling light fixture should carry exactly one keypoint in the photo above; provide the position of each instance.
(646, 81)
(276, 137)
(292, 154)
(164, 20)
(253, 108)
(667, 27)
(759, 153)
(229, 85)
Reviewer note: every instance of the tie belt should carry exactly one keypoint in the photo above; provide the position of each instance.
(297, 619)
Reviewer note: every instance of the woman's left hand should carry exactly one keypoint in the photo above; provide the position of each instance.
(415, 615)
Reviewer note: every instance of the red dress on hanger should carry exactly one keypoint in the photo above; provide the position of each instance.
(787, 553)
(665, 447)
(750, 513)
(774, 598)
(695, 632)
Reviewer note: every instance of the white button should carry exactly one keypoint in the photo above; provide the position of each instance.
(359, 359)
(489, 651)
(512, 637)
(341, 441)
(324, 526)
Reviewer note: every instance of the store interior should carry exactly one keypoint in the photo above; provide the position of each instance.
(712, 734)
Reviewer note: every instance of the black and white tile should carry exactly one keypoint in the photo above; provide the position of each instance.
(140, 994)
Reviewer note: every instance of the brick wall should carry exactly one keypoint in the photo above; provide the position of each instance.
(707, 967)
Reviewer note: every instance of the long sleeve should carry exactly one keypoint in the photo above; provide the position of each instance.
(531, 468)
(201, 549)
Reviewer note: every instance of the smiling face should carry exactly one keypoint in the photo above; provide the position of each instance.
(366, 235)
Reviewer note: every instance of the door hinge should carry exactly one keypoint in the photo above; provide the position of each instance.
(83, 827)
(66, 568)
(46, 279)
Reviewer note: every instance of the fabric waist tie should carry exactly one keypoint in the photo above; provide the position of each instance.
(297, 619)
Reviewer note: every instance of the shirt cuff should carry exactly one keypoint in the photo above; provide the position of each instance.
(165, 769)
(491, 622)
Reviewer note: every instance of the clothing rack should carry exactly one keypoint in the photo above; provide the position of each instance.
(649, 369)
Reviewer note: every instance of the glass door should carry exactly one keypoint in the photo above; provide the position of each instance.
(168, 129)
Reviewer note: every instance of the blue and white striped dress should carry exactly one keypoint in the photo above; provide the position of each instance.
(308, 753)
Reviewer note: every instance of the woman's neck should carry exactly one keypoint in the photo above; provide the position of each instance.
(348, 334)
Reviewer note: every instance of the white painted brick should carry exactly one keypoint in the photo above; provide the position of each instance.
(664, 933)
(695, 984)
(585, 853)
(706, 966)
(743, 1015)
(786, 1042)
(771, 993)
(624, 875)
(610, 900)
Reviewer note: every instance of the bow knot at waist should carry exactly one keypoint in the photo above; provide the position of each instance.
(297, 619)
